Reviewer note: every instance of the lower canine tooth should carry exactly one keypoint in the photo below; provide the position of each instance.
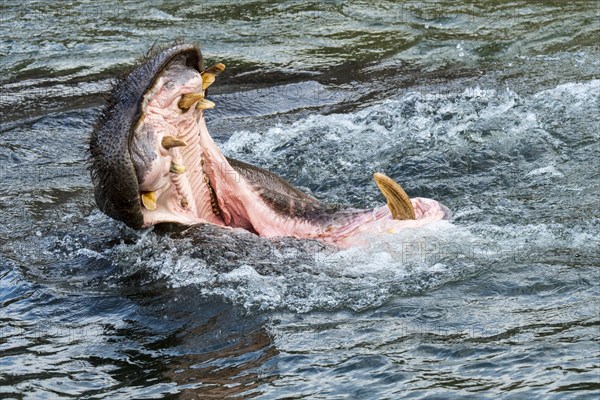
(177, 168)
(397, 200)
(149, 200)
(169, 142)
(205, 105)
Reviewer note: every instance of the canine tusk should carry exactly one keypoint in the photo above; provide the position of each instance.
(168, 142)
(397, 200)
(209, 75)
(188, 100)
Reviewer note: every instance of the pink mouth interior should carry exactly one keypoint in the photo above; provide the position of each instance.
(186, 198)
(183, 198)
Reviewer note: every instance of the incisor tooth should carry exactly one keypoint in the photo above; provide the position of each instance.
(177, 168)
(205, 105)
(397, 200)
(188, 100)
(209, 75)
(168, 142)
(149, 200)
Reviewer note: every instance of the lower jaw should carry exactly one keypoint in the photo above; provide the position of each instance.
(188, 197)
(209, 191)
(184, 202)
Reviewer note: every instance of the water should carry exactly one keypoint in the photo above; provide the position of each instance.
(493, 109)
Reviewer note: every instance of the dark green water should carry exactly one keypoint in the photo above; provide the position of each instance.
(489, 107)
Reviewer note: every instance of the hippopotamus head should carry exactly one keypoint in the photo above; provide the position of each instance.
(154, 162)
(118, 163)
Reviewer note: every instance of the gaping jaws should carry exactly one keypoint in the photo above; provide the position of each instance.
(153, 161)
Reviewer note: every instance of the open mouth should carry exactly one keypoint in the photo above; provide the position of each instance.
(182, 176)
(172, 152)
(154, 162)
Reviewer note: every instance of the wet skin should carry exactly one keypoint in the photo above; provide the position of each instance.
(154, 162)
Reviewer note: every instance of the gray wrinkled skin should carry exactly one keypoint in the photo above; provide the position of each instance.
(143, 152)
(114, 176)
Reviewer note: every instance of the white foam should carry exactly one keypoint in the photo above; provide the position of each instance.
(338, 153)
(549, 170)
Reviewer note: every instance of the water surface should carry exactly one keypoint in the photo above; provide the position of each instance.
(491, 108)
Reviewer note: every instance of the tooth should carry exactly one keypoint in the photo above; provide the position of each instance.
(188, 100)
(177, 168)
(215, 69)
(169, 142)
(184, 202)
(205, 105)
(149, 200)
(209, 75)
(397, 200)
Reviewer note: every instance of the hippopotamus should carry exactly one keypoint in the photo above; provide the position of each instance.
(153, 162)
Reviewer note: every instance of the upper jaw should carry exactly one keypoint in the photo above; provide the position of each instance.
(169, 153)
(116, 187)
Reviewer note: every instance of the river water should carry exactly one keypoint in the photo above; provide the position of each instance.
(490, 107)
